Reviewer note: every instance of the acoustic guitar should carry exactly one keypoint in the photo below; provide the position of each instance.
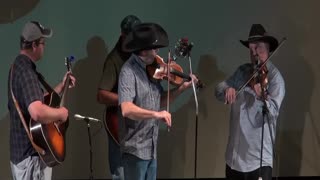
(111, 123)
(51, 137)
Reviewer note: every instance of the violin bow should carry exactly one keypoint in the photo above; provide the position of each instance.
(168, 88)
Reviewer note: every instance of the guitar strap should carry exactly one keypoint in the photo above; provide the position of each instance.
(44, 83)
(36, 147)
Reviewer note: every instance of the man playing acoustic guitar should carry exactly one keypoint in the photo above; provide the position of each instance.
(25, 85)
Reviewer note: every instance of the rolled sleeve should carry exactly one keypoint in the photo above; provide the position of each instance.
(230, 82)
(126, 87)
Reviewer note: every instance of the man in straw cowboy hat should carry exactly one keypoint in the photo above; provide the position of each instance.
(243, 152)
(140, 101)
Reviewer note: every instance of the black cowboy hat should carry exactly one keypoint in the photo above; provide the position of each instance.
(258, 33)
(145, 36)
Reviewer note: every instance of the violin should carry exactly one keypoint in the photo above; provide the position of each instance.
(261, 78)
(158, 70)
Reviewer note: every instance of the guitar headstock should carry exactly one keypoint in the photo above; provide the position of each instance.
(183, 47)
(68, 61)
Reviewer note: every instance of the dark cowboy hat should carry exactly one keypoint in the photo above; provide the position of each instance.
(258, 33)
(145, 36)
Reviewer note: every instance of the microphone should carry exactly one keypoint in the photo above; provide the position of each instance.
(183, 47)
(79, 117)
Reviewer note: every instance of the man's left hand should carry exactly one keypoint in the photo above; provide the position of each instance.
(188, 84)
(72, 79)
(257, 89)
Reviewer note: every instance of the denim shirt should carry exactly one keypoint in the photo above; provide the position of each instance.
(138, 137)
(245, 130)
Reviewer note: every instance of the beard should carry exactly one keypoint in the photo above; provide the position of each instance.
(148, 59)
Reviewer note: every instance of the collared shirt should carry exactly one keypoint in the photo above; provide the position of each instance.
(138, 137)
(244, 142)
(26, 88)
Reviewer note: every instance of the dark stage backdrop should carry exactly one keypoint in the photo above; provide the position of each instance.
(89, 29)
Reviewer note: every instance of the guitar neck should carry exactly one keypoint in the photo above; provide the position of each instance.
(64, 92)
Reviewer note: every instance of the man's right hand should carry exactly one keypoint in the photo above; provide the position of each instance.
(230, 95)
(64, 113)
(164, 116)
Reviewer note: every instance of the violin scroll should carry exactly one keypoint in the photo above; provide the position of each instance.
(159, 71)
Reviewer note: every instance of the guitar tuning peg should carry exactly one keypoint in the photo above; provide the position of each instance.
(70, 58)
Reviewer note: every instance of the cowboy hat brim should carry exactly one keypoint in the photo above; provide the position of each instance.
(273, 42)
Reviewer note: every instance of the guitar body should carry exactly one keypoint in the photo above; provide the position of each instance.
(50, 137)
(111, 123)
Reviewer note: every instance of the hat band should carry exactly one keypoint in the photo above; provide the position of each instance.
(256, 36)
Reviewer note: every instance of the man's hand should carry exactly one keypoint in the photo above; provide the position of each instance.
(188, 84)
(72, 79)
(230, 95)
(64, 113)
(164, 116)
(257, 89)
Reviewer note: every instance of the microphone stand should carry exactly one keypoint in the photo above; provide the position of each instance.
(90, 146)
(183, 49)
(196, 128)
(265, 111)
(265, 114)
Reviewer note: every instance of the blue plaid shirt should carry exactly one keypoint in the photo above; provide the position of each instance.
(138, 137)
(26, 88)
(244, 142)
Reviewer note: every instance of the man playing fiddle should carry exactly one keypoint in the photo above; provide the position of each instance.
(246, 117)
(140, 100)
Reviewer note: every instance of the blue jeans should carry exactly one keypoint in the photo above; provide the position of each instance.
(138, 169)
(115, 164)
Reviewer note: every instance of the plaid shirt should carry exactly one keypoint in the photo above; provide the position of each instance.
(26, 88)
(138, 137)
